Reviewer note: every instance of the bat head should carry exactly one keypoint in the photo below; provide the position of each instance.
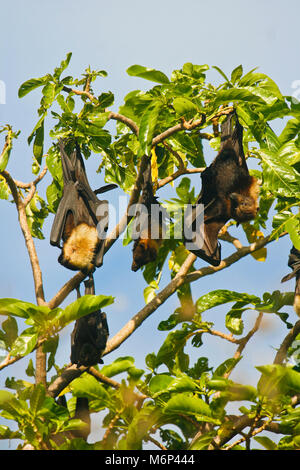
(243, 208)
(144, 251)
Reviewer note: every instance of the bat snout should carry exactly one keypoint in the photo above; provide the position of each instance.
(135, 267)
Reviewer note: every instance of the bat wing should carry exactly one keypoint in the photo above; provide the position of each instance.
(66, 205)
(203, 223)
(233, 138)
(294, 264)
(202, 238)
(89, 337)
(81, 201)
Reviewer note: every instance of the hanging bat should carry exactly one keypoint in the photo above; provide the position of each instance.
(82, 412)
(81, 220)
(89, 336)
(149, 224)
(228, 192)
(294, 264)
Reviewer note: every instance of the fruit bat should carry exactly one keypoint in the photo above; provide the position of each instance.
(294, 264)
(81, 219)
(228, 192)
(90, 333)
(82, 412)
(149, 225)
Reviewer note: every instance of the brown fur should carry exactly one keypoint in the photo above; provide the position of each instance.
(144, 251)
(244, 203)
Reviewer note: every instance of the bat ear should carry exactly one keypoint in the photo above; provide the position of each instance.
(288, 277)
(104, 189)
(234, 197)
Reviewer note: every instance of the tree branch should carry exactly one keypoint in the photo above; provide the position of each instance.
(282, 351)
(159, 299)
(183, 276)
(36, 270)
(225, 263)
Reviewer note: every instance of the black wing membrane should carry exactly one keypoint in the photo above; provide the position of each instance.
(294, 264)
(81, 221)
(226, 174)
(89, 336)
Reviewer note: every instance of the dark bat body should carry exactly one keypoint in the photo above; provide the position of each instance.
(89, 337)
(294, 264)
(228, 192)
(149, 224)
(81, 219)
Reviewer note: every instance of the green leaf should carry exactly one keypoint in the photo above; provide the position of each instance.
(279, 178)
(237, 94)
(278, 379)
(25, 343)
(222, 296)
(148, 73)
(221, 73)
(12, 407)
(37, 398)
(18, 308)
(291, 130)
(203, 442)
(4, 189)
(83, 306)
(63, 65)
(6, 433)
(143, 421)
(233, 320)
(31, 84)
(122, 364)
(236, 74)
(10, 327)
(159, 383)
(184, 107)
(233, 391)
(150, 291)
(163, 383)
(193, 406)
(293, 228)
(36, 127)
(106, 99)
(38, 144)
(87, 386)
(148, 124)
(266, 442)
(226, 367)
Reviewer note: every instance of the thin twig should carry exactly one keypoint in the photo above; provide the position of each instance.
(36, 270)
(290, 337)
(254, 433)
(244, 341)
(182, 277)
(144, 313)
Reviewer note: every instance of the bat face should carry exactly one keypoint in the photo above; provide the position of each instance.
(150, 227)
(144, 251)
(243, 208)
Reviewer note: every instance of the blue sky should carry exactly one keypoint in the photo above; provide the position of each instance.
(35, 36)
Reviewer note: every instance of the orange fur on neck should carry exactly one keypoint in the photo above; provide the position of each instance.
(79, 249)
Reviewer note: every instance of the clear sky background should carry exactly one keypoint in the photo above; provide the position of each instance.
(36, 35)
